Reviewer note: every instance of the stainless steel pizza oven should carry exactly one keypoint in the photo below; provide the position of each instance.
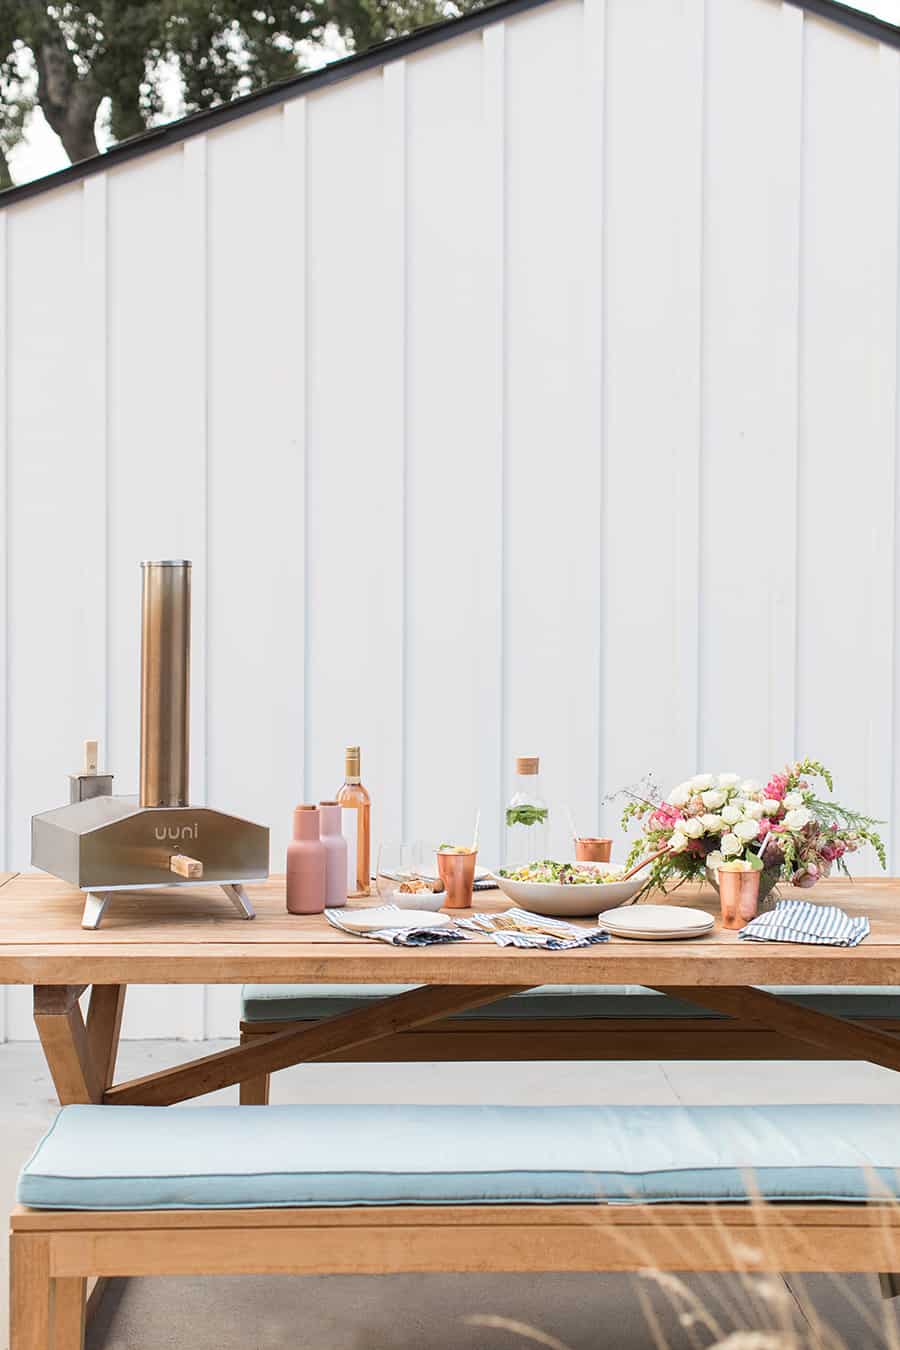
(103, 843)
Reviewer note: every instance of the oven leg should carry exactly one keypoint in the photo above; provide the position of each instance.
(238, 897)
(94, 906)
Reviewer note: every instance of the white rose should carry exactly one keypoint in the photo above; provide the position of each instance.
(795, 820)
(771, 806)
(749, 786)
(792, 800)
(715, 859)
(678, 842)
(680, 795)
(731, 814)
(752, 810)
(701, 781)
(692, 827)
(731, 845)
(713, 799)
(712, 823)
(727, 780)
(747, 830)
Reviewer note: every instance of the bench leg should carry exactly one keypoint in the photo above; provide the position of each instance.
(29, 1292)
(68, 1300)
(889, 1284)
(253, 1091)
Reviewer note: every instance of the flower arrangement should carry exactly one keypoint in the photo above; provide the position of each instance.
(784, 828)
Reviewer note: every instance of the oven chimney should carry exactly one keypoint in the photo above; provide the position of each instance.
(165, 683)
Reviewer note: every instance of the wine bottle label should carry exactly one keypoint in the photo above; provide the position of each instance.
(350, 831)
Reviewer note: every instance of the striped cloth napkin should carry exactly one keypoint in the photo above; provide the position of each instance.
(399, 937)
(804, 921)
(519, 928)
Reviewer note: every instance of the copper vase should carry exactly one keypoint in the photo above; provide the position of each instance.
(593, 850)
(457, 872)
(739, 896)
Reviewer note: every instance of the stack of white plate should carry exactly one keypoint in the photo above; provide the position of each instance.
(658, 923)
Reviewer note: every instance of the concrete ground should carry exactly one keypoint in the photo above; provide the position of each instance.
(461, 1312)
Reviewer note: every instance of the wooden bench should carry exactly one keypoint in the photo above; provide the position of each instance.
(559, 1022)
(363, 1190)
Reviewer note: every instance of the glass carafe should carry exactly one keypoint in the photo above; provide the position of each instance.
(527, 816)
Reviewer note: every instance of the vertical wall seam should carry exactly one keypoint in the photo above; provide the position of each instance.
(405, 483)
(5, 333)
(5, 477)
(800, 428)
(207, 516)
(107, 481)
(502, 190)
(892, 813)
(703, 301)
(603, 384)
(303, 113)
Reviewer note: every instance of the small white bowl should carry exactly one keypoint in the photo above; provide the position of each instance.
(558, 901)
(415, 900)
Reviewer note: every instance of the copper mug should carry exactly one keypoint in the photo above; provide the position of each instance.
(593, 850)
(739, 896)
(457, 872)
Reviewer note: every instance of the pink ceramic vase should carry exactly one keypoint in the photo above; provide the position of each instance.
(306, 864)
(335, 854)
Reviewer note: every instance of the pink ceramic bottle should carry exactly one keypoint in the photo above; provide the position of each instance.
(306, 864)
(335, 854)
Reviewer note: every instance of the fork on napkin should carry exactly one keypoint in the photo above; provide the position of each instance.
(804, 921)
(399, 937)
(519, 928)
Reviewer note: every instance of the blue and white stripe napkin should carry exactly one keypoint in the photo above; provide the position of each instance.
(805, 921)
(399, 937)
(532, 930)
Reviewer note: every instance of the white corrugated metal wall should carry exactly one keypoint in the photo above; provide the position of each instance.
(538, 392)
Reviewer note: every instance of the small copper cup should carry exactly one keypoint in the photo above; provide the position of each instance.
(457, 872)
(739, 896)
(593, 850)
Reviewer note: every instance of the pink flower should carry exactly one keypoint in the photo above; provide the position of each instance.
(828, 852)
(765, 826)
(776, 787)
(806, 876)
(665, 817)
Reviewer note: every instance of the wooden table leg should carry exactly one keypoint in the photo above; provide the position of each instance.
(64, 1039)
(104, 1022)
(303, 1045)
(842, 1038)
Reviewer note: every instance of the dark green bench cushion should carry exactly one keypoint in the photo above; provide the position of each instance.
(301, 1002)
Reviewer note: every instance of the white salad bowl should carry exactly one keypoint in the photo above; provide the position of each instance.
(558, 901)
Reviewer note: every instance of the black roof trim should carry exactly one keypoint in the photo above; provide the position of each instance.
(848, 17)
(196, 124)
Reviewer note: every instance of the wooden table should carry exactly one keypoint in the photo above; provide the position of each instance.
(166, 937)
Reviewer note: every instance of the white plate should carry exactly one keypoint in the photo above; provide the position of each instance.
(369, 920)
(660, 922)
(555, 900)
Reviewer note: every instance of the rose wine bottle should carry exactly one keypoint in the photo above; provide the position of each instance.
(355, 813)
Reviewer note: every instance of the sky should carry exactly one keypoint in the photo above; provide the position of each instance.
(41, 152)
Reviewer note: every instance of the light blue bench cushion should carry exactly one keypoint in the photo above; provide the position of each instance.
(139, 1157)
(299, 1002)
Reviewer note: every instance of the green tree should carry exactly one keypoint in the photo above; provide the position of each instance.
(121, 51)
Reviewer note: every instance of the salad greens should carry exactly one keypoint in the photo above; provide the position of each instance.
(526, 815)
(561, 874)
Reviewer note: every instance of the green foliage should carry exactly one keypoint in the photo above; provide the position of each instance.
(526, 815)
(125, 51)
